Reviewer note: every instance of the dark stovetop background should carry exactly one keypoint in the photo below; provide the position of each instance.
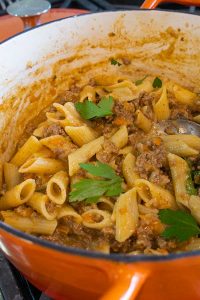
(13, 286)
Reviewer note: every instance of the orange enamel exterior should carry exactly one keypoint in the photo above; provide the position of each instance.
(150, 4)
(63, 275)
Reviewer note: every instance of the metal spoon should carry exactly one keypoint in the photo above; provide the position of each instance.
(180, 126)
(29, 11)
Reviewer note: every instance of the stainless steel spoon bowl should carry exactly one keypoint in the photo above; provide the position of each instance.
(180, 126)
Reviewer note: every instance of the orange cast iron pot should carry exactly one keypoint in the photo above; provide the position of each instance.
(73, 274)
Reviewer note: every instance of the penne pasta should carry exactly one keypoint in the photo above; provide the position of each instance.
(57, 187)
(83, 154)
(37, 225)
(184, 96)
(180, 172)
(142, 121)
(42, 165)
(161, 107)
(12, 176)
(31, 146)
(41, 204)
(43, 152)
(180, 148)
(58, 144)
(39, 131)
(90, 219)
(81, 135)
(68, 211)
(66, 115)
(128, 169)
(126, 212)
(18, 195)
(154, 195)
(88, 92)
(120, 138)
(105, 204)
(192, 141)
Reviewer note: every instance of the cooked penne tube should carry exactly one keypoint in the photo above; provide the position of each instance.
(41, 204)
(126, 150)
(180, 172)
(42, 165)
(197, 119)
(68, 211)
(18, 195)
(88, 92)
(105, 204)
(43, 152)
(31, 146)
(66, 115)
(126, 215)
(142, 121)
(57, 187)
(59, 144)
(128, 169)
(83, 154)
(39, 131)
(180, 148)
(161, 108)
(12, 176)
(37, 225)
(120, 138)
(103, 247)
(90, 218)
(194, 206)
(81, 135)
(184, 96)
(154, 195)
(192, 141)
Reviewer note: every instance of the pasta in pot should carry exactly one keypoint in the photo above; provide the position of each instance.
(99, 172)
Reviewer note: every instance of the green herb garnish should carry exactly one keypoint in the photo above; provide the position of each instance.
(115, 62)
(91, 189)
(157, 83)
(140, 81)
(89, 110)
(190, 188)
(182, 225)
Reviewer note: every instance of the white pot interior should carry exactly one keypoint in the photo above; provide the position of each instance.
(39, 65)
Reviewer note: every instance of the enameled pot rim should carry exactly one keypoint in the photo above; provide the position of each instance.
(81, 252)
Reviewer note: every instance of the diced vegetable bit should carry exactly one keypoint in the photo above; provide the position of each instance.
(89, 110)
(157, 83)
(140, 81)
(181, 225)
(91, 189)
(115, 62)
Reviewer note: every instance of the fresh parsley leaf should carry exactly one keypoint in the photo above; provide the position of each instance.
(91, 189)
(99, 169)
(115, 62)
(157, 83)
(190, 188)
(182, 225)
(89, 110)
(140, 81)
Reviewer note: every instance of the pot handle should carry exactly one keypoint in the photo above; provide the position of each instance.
(150, 4)
(128, 283)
